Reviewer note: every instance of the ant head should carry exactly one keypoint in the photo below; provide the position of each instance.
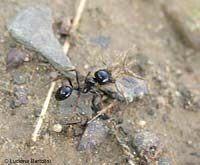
(103, 76)
(90, 81)
(63, 92)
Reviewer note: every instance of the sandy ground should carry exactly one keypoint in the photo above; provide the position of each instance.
(139, 24)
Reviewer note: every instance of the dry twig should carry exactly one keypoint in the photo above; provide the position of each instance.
(104, 110)
(126, 150)
(43, 112)
(65, 49)
(125, 147)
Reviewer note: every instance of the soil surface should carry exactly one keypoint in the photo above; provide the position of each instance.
(107, 29)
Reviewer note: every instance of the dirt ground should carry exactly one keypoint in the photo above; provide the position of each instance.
(139, 25)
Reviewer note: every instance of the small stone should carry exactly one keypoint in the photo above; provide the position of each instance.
(94, 135)
(142, 123)
(20, 96)
(12, 105)
(15, 58)
(189, 142)
(179, 72)
(151, 110)
(147, 144)
(68, 111)
(130, 87)
(57, 128)
(177, 94)
(19, 78)
(77, 130)
(66, 24)
(33, 28)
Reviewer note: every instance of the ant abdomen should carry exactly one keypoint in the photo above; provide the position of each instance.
(63, 92)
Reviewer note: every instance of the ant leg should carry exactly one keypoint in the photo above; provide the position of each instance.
(70, 82)
(79, 92)
(77, 78)
(97, 105)
(87, 75)
(77, 101)
(56, 78)
(77, 88)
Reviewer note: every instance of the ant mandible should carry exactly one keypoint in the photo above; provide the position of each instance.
(101, 77)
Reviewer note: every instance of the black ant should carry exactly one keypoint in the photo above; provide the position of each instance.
(101, 77)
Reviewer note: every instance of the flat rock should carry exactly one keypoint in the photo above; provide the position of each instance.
(95, 134)
(146, 140)
(130, 87)
(126, 88)
(32, 27)
(148, 145)
(67, 107)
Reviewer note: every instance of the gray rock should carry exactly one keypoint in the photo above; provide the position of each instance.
(20, 97)
(130, 87)
(19, 78)
(33, 28)
(95, 134)
(69, 113)
(147, 145)
(126, 88)
(66, 107)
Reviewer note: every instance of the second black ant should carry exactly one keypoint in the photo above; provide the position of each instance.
(101, 77)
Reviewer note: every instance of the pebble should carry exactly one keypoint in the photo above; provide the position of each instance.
(19, 78)
(32, 27)
(66, 24)
(131, 87)
(151, 111)
(57, 128)
(189, 142)
(142, 123)
(20, 96)
(147, 144)
(68, 111)
(15, 58)
(94, 135)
